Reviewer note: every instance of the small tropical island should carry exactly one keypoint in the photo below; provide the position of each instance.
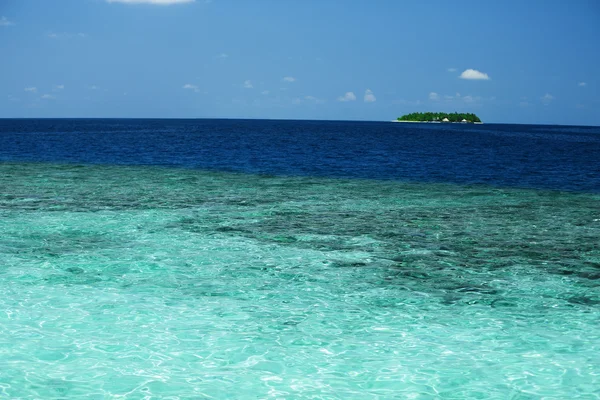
(439, 117)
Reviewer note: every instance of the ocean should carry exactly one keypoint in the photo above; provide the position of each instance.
(254, 259)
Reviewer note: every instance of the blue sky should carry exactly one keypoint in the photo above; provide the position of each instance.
(512, 61)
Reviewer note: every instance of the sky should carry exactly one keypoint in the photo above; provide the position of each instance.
(510, 61)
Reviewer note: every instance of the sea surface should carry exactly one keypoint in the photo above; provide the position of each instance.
(248, 259)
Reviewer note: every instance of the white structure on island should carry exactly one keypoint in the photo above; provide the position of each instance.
(464, 121)
(445, 120)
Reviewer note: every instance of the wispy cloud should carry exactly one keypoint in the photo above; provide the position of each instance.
(265, 92)
(222, 56)
(314, 99)
(248, 84)
(582, 84)
(405, 102)
(547, 98)
(189, 86)
(349, 96)
(369, 96)
(289, 79)
(47, 97)
(473, 74)
(457, 98)
(452, 70)
(58, 88)
(93, 87)
(307, 99)
(65, 35)
(31, 89)
(159, 2)
(5, 22)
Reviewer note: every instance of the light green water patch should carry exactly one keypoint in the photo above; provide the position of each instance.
(132, 282)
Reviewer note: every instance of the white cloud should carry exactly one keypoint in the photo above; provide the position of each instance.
(452, 70)
(265, 92)
(5, 22)
(161, 2)
(434, 96)
(48, 97)
(248, 84)
(189, 86)
(32, 89)
(57, 88)
(349, 96)
(369, 96)
(473, 74)
(547, 98)
(289, 79)
(582, 84)
(222, 56)
(93, 87)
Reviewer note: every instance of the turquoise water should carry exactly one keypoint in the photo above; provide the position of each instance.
(144, 282)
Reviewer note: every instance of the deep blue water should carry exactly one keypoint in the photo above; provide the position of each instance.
(550, 157)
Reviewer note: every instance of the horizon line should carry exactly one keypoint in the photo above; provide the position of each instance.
(269, 119)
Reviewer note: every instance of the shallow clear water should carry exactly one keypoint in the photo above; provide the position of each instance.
(148, 282)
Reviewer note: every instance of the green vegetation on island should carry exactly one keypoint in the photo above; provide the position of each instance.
(439, 117)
